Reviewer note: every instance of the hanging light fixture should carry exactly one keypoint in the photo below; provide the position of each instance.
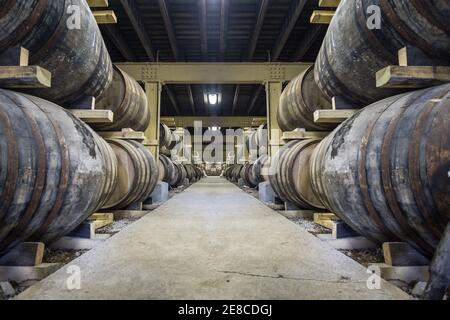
(213, 98)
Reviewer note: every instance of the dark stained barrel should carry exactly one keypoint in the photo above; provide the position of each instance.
(233, 172)
(385, 171)
(298, 102)
(165, 135)
(180, 175)
(351, 53)
(261, 139)
(261, 169)
(248, 176)
(291, 180)
(137, 174)
(54, 170)
(193, 173)
(126, 98)
(77, 58)
(174, 141)
(166, 169)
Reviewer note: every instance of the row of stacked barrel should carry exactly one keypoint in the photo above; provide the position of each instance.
(251, 172)
(174, 172)
(55, 169)
(386, 170)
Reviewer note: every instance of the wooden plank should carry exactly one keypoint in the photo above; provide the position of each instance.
(412, 77)
(326, 220)
(24, 254)
(404, 274)
(329, 3)
(105, 17)
(322, 16)
(297, 214)
(402, 254)
(302, 134)
(412, 56)
(342, 230)
(129, 214)
(94, 116)
(125, 134)
(340, 103)
(22, 274)
(333, 116)
(102, 216)
(98, 3)
(16, 56)
(85, 230)
(24, 77)
(84, 103)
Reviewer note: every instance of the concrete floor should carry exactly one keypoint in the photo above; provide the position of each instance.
(214, 241)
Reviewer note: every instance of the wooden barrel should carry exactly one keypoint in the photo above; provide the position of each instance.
(248, 176)
(175, 140)
(76, 57)
(291, 180)
(137, 174)
(180, 175)
(54, 170)
(351, 53)
(165, 136)
(193, 173)
(167, 169)
(298, 102)
(126, 98)
(385, 171)
(261, 169)
(262, 140)
(234, 172)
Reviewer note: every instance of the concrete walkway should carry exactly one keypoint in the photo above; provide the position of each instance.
(214, 241)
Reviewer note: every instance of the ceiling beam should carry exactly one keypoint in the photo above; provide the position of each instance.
(224, 12)
(132, 11)
(169, 28)
(173, 44)
(203, 32)
(191, 99)
(254, 98)
(253, 43)
(258, 26)
(294, 13)
(235, 99)
(214, 72)
(172, 99)
(119, 42)
(308, 41)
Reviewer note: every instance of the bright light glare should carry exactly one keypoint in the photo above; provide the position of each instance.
(213, 98)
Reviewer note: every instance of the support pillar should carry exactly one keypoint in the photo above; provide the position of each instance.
(273, 94)
(153, 92)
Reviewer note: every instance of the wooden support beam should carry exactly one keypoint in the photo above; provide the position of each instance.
(412, 77)
(105, 16)
(33, 273)
(125, 134)
(24, 77)
(94, 116)
(339, 103)
(98, 3)
(329, 3)
(153, 92)
(322, 16)
(333, 116)
(412, 56)
(402, 254)
(24, 254)
(15, 57)
(302, 134)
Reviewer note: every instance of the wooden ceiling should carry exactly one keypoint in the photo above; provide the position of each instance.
(213, 30)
